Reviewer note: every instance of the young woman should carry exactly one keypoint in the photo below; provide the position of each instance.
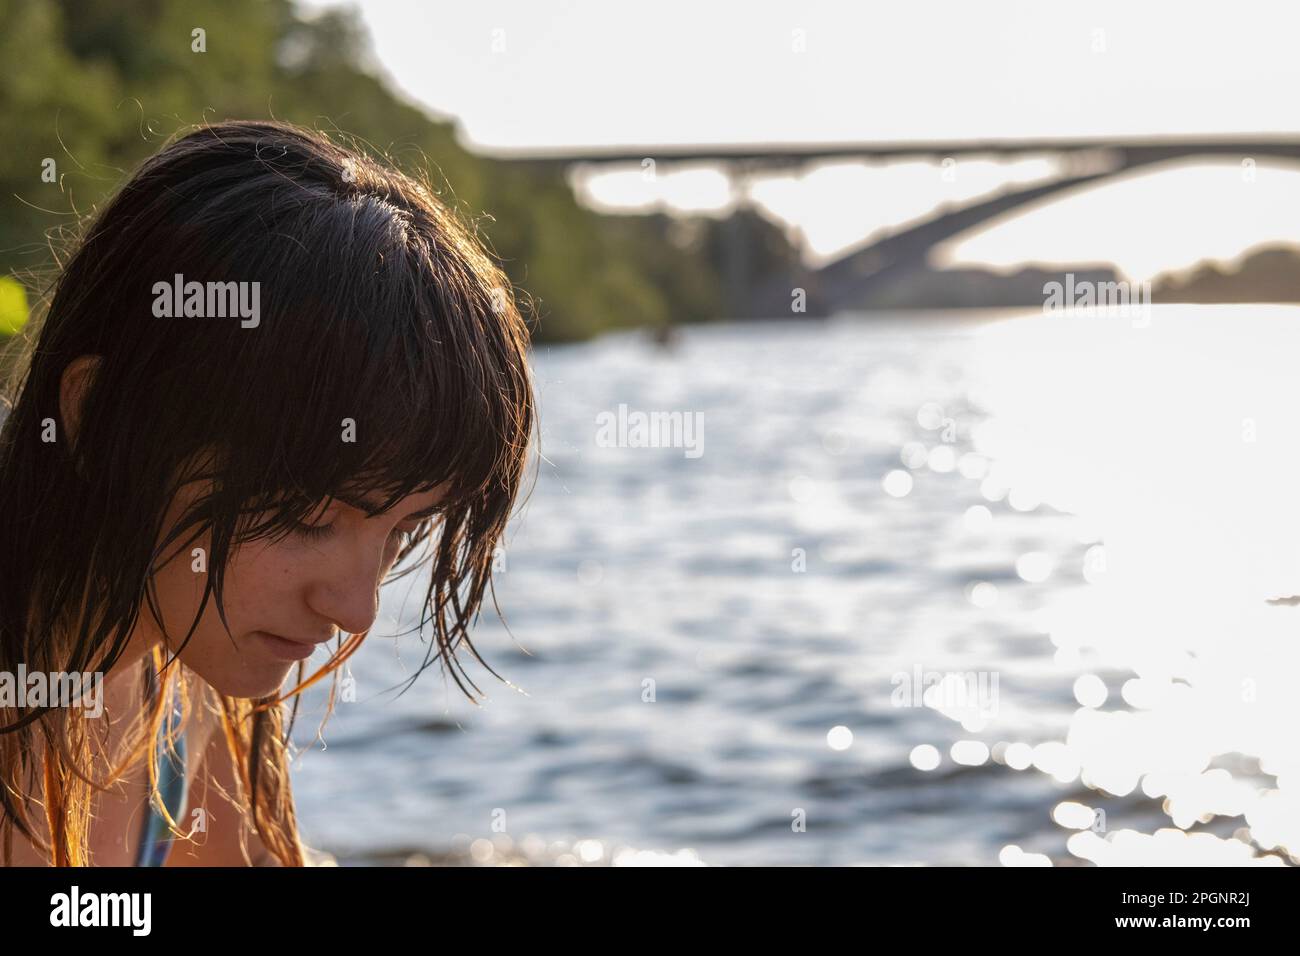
(273, 373)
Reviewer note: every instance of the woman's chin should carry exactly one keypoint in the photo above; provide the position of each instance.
(246, 680)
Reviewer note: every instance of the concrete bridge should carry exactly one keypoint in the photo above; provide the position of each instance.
(878, 260)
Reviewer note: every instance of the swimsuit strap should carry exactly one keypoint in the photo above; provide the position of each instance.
(156, 836)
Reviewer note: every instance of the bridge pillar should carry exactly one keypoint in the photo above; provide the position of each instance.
(737, 260)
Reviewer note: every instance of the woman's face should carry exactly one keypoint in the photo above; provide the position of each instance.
(282, 599)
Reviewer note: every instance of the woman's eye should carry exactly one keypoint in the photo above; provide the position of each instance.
(314, 532)
(321, 529)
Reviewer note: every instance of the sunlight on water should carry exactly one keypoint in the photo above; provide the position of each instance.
(1177, 444)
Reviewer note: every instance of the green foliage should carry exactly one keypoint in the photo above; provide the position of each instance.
(98, 85)
(13, 306)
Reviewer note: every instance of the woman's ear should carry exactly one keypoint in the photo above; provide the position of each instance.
(73, 386)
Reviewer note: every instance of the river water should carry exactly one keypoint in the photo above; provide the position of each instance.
(920, 589)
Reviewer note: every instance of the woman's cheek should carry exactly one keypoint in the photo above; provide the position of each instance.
(293, 556)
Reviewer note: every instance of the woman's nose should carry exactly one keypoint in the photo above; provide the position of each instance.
(347, 594)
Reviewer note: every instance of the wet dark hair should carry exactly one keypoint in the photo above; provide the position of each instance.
(381, 317)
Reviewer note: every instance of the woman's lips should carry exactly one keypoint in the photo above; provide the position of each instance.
(284, 649)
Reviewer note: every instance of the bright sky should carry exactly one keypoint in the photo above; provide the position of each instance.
(553, 74)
